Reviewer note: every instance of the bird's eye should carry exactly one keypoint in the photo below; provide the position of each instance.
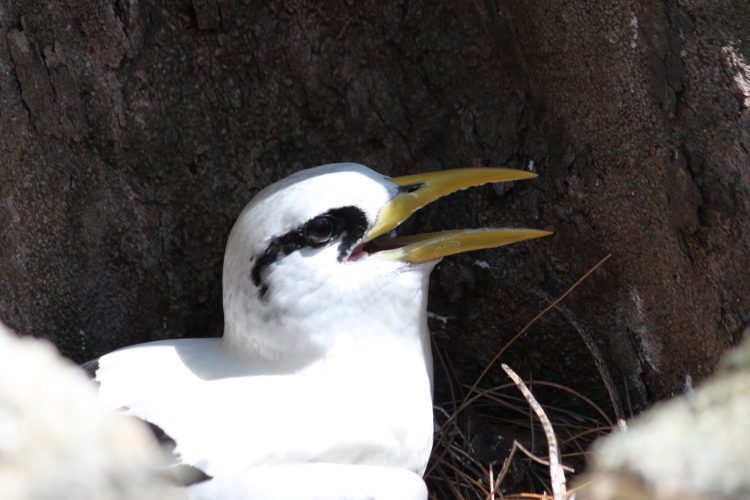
(319, 230)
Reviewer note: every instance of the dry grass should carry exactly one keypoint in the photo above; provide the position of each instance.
(485, 439)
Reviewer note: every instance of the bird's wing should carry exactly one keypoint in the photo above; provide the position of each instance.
(224, 417)
(131, 379)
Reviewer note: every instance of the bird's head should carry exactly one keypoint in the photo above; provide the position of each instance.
(309, 257)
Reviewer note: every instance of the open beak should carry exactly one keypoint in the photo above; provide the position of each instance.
(416, 191)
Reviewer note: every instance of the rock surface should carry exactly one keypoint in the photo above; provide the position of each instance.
(57, 441)
(694, 446)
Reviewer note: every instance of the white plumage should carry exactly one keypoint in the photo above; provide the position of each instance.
(322, 384)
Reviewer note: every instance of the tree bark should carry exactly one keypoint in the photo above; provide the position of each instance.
(134, 131)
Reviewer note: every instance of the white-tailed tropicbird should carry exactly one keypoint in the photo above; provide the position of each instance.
(321, 386)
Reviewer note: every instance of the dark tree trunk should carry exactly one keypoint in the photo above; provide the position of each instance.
(134, 131)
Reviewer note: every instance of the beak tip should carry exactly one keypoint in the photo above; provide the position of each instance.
(543, 234)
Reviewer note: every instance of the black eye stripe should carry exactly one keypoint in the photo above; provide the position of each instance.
(278, 248)
(350, 224)
(354, 224)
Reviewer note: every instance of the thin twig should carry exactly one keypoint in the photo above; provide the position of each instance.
(540, 496)
(457, 471)
(556, 473)
(509, 460)
(540, 460)
(562, 388)
(506, 467)
(627, 395)
(536, 318)
(456, 493)
(570, 436)
(572, 491)
(583, 433)
(614, 396)
(492, 485)
(578, 394)
(576, 454)
(531, 417)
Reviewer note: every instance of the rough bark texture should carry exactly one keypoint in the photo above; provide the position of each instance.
(134, 131)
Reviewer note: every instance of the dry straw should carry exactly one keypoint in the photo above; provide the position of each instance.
(456, 472)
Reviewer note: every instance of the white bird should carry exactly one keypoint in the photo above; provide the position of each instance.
(321, 387)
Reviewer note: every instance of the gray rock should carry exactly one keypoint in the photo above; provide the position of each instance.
(694, 446)
(56, 441)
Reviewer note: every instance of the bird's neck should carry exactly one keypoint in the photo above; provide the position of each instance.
(376, 328)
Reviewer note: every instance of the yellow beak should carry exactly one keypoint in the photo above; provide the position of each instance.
(416, 191)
